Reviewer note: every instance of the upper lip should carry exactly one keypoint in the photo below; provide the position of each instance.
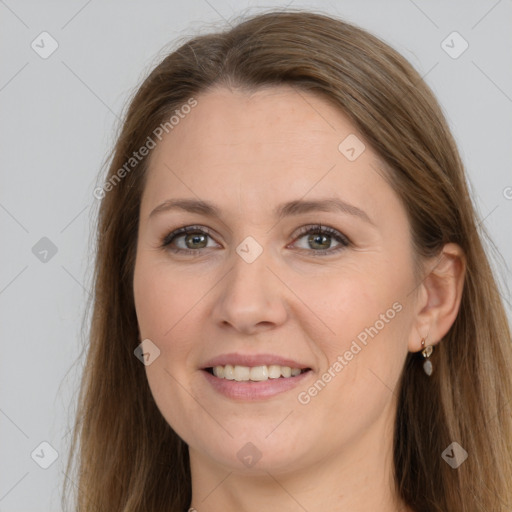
(252, 360)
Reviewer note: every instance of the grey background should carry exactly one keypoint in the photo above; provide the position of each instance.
(59, 117)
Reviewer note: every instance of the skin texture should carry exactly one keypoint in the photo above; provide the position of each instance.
(247, 153)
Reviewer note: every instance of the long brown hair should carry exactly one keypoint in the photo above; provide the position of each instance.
(127, 457)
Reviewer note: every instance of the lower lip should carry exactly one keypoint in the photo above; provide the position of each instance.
(249, 390)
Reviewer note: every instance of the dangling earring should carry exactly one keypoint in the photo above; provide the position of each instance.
(427, 351)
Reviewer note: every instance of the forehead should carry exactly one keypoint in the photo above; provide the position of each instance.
(261, 148)
(273, 122)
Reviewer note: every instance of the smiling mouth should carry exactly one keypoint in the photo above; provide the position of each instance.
(255, 373)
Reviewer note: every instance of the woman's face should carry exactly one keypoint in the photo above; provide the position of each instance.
(259, 290)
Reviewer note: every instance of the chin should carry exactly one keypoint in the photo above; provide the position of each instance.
(253, 455)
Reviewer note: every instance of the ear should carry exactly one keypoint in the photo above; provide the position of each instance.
(438, 299)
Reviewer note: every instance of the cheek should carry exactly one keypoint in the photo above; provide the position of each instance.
(352, 301)
(363, 359)
(164, 308)
(164, 298)
(367, 323)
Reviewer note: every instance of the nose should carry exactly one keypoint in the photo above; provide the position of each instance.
(251, 297)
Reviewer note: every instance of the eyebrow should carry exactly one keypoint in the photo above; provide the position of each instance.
(291, 208)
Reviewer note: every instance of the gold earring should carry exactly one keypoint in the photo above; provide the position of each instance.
(426, 352)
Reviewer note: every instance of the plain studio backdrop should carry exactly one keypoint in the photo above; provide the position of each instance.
(66, 72)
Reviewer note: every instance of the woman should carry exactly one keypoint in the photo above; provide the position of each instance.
(293, 309)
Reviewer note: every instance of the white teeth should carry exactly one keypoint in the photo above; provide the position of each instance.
(286, 371)
(254, 373)
(242, 373)
(259, 373)
(229, 373)
(274, 371)
(218, 371)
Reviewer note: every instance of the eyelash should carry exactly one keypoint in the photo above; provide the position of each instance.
(315, 228)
